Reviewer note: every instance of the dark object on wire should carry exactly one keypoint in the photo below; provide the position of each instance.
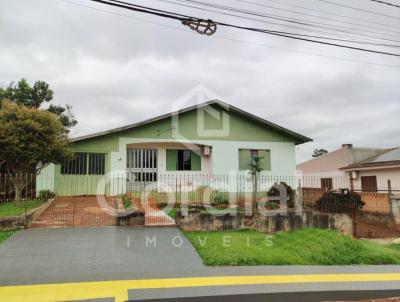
(180, 17)
(203, 27)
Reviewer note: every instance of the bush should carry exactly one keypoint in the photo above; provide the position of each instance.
(343, 202)
(272, 205)
(126, 201)
(274, 192)
(219, 198)
(45, 194)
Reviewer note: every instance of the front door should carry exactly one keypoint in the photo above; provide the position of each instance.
(141, 168)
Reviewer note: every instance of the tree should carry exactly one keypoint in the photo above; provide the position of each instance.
(34, 97)
(30, 139)
(255, 170)
(319, 152)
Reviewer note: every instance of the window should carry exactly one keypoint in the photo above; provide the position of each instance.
(76, 166)
(369, 184)
(326, 184)
(85, 163)
(183, 160)
(97, 163)
(246, 155)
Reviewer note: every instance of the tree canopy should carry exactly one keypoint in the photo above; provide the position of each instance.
(31, 138)
(34, 97)
(319, 152)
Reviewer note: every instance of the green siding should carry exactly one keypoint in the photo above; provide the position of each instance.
(70, 185)
(240, 129)
(196, 161)
(171, 160)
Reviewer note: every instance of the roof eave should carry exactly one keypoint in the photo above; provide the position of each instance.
(299, 139)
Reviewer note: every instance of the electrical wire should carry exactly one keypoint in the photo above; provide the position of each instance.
(387, 3)
(275, 17)
(233, 39)
(316, 16)
(359, 9)
(329, 13)
(171, 15)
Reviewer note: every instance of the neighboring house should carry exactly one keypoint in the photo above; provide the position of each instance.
(212, 138)
(373, 174)
(325, 171)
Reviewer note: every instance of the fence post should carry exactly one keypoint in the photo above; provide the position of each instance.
(391, 202)
(299, 204)
(351, 182)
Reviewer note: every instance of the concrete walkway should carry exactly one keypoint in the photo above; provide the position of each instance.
(158, 218)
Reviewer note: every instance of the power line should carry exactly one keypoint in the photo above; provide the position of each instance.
(316, 16)
(275, 17)
(329, 13)
(359, 9)
(235, 40)
(172, 15)
(387, 3)
(300, 28)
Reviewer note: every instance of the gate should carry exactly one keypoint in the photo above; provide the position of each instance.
(141, 168)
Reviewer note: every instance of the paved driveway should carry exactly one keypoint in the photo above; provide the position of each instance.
(70, 255)
(77, 211)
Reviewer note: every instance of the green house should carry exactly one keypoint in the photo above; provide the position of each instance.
(198, 142)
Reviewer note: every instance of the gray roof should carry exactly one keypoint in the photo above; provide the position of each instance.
(392, 155)
(388, 158)
(300, 139)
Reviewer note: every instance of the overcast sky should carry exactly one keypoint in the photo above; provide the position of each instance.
(117, 67)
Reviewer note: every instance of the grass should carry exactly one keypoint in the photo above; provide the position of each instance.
(6, 234)
(171, 213)
(16, 209)
(303, 247)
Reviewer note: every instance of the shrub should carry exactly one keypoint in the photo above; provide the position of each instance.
(126, 201)
(274, 192)
(219, 198)
(201, 193)
(342, 202)
(45, 194)
(202, 189)
(272, 205)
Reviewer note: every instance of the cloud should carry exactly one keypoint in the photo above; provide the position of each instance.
(117, 67)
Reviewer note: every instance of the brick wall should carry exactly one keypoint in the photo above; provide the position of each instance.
(375, 225)
(376, 202)
(310, 196)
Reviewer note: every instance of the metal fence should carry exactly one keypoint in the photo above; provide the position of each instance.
(187, 188)
(77, 202)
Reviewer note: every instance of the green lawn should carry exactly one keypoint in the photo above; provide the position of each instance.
(171, 213)
(12, 209)
(303, 247)
(5, 234)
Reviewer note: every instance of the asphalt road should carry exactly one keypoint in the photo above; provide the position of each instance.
(289, 297)
(121, 263)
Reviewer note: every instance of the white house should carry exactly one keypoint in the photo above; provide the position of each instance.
(325, 171)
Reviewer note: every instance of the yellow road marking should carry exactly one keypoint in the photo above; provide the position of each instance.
(119, 289)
